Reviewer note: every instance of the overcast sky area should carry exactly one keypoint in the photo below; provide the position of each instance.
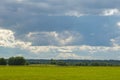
(60, 29)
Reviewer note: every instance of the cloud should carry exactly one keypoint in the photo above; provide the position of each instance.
(74, 13)
(7, 39)
(55, 38)
(60, 7)
(79, 52)
(71, 56)
(110, 12)
(118, 25)
(115, 41)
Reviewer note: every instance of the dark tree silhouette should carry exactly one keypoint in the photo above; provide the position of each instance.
(16, 61)
(3, 61)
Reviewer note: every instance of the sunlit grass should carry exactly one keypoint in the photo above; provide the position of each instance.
(45, 72)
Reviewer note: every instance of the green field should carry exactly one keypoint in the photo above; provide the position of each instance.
(58, 73)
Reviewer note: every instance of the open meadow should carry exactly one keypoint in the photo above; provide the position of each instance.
(58, 73)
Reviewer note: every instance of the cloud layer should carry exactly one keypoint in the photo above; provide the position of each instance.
(60, 7)
(8, 40)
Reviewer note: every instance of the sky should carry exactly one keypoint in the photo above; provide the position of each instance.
(60, 29)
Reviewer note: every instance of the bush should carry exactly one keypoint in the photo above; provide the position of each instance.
(62, 63)
(95, 64)
(78, 64)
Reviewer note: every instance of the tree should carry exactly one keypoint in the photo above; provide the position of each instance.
(11, 61)
(16, 61)
(3, 61)
(53, 62)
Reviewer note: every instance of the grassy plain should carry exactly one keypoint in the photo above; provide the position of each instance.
(58, 73)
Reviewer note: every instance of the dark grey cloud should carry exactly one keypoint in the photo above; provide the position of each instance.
(56, 7)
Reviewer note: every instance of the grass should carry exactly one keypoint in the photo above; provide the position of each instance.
(58, 73)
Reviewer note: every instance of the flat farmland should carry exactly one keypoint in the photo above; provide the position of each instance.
(58, 73)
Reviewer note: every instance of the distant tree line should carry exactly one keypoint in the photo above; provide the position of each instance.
(85, 63)
(13, 61)
(22, 61)
(75, 62)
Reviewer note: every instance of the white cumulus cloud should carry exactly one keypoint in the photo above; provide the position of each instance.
(110, 12)
(7, 39)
